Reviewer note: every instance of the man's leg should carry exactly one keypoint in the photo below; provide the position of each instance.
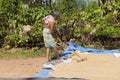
(56, 52)
(48, 54)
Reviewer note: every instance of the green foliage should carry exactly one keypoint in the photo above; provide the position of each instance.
(87, 24)
(8, 10)
(101, 22)
(91, 23)
(68, 16)
(14, 15)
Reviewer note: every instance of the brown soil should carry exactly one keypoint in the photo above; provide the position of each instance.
(96, 67)
(21, 68)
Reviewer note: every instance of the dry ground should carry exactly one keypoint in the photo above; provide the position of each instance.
(97, 67)
(20, 68)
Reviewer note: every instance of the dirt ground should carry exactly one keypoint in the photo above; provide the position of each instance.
(21, 68)
(96, 67)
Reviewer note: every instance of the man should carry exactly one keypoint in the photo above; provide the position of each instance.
(48, 34)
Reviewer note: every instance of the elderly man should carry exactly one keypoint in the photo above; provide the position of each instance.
(48, 34)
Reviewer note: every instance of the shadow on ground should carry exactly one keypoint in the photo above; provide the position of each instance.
(43, 79)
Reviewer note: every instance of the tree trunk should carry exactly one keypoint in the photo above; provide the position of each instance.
(50, 4)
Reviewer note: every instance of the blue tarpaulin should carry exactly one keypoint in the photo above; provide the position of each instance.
(44, 74)
(71, 48)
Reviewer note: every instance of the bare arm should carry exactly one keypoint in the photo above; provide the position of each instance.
(51, 28)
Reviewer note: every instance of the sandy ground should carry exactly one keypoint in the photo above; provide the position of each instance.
(96, 67)
(21, 68)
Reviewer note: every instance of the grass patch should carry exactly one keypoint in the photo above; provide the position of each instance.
(16, 53)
